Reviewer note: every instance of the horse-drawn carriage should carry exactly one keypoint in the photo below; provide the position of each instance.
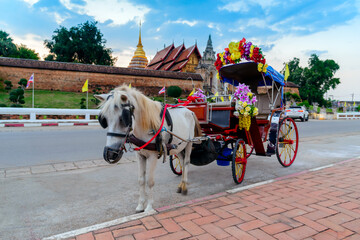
(234, 145)
(200, 132)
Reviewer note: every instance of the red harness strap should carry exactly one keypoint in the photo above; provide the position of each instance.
(162, 123)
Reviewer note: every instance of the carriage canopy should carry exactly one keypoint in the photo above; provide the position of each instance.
(247, 73)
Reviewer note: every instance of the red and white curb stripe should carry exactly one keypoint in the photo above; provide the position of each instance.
(46, 124)
(145, 214)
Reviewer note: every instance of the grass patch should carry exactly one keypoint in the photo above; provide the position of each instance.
(58, 99)
(50, 99)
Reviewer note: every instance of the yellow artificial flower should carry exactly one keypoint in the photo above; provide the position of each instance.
(256, 111)
(246, 114)
(233, 57)
(244, 104)
(232, 47)
(265, 68)
(249, 94)
(251, 50)
(248, 109)
(242, 111)
(262, 67)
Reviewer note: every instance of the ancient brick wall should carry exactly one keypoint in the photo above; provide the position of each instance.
(71, 76)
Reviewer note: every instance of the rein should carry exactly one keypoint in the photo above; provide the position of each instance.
(162, 123)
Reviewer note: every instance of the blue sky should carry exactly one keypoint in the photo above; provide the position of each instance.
(284, 29)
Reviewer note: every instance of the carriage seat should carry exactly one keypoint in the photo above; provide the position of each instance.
(263, 104)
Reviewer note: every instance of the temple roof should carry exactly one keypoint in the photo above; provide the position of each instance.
(172, 59)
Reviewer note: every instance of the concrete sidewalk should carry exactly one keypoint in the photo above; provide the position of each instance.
(317, 204)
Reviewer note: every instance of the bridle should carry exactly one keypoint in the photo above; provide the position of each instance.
(112, 155)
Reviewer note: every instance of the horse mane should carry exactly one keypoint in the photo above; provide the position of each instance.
(149, 110)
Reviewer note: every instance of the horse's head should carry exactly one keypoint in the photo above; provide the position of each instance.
(116, 115)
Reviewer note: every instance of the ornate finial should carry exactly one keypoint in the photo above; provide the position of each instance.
(139, 34)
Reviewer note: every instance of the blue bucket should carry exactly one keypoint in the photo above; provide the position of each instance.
(222, 161)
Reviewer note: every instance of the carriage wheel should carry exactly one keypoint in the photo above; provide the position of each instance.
(287, 142)
(175, 165)
(239, 161)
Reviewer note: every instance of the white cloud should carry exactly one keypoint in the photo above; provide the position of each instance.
(119, 12)
(59, 19)
(124, 57)
(243, 6)
(338, 43)
(31, 2)
(180, 21)
(32, 41)
(239, 6)
(216, 27)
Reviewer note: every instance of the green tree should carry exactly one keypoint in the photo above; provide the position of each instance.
(8, 85)
(23, 83)
(7, 47)
(174, 91)
(17, 97)
(83, 44)
(314, 80)
(27, 53)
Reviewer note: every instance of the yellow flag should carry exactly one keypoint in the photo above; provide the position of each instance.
(222, 99)
(192, 92)
(130, 85)
(229, 98)
(354, 104)
(85, 87)
(216, 94)
(287, 73)
(345, 104)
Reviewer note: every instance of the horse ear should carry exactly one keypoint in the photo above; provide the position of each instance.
(101, 97)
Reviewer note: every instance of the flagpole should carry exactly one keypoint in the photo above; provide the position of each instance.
(87, 98)
(33, 92)
(165, 96)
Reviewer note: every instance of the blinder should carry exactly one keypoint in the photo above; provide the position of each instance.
(102, 121)
(126, 116)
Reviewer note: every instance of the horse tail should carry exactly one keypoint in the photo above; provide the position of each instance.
(198, 131)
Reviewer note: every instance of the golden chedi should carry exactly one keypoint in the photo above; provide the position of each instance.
(139, 59)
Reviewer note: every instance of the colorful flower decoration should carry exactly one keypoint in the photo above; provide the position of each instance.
(238, 51)
(200, 95)
(245, 106)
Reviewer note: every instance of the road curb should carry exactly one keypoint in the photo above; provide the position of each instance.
(172, 207)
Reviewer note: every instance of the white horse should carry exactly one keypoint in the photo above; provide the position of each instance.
(127, 111)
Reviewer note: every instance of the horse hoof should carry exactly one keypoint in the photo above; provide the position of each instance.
(178, 190)
(139, 211)
(184, 192)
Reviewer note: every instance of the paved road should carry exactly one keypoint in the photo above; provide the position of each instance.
(35, 146)
(39, 205)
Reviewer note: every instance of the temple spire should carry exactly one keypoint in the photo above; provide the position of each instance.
(139, 59)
